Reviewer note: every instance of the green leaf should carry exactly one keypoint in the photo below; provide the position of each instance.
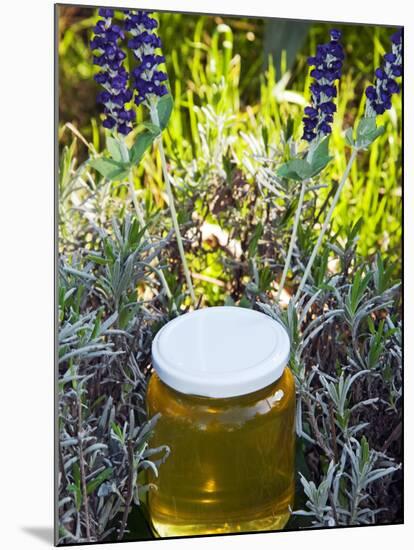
(257, 233)
(98, 480)
(265, 278)
(110, 169)
(97, 325)
(76, 473)
(367, 132)
(349, 137)
(114, 148)
(366, 126)
(265, 136)
(377, 342)
(322, 149)
(288, 130)
(97, 259)
(383, 275)
(143, 141)
(72, 488)
(378, 132)
(355, 230)
(117, 430)
(109, 251)
(319, 164)
(356, 291)
(164, 107)
(76, 486)
(364, 451)
(320, 157)
(319, 270)
(244, 302)
(183, 216)
(371, 325)
(297, 169)
(153, 128)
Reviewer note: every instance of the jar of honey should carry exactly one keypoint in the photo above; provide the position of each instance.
(227, 404)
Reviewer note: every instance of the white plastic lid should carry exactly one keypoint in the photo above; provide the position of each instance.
(220, 352)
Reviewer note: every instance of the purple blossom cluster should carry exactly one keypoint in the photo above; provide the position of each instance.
(385, 85)
(148, 80)
(113, 76)
(327, 65)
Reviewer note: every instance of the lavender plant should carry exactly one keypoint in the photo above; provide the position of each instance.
(328, 62)
(317, 124)
(379, 95)
(249, 223)
(342, 404)
(333, 409)
(103, 431)
(147, 78)
(149, 85)
(336, 437)
(145, 85)
(113, 75)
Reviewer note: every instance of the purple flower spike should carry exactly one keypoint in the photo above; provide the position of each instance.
(107, 13)
(379, 95)
(335, 34)
(113, 76)
(328, 68)
(147, 78)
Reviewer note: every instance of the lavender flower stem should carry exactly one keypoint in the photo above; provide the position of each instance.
(292, 239)
(141, 219)
(155, 120)
(326, 223)
(138, 210)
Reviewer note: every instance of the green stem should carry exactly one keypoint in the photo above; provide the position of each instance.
(292, 240)
(138, 211)
(141, 220)
(326, 223)
(155, 120)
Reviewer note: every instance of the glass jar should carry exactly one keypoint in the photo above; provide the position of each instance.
(227, 407)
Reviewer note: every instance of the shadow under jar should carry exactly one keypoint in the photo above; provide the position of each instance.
(227, 404)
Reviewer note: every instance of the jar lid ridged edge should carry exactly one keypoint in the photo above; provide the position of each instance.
(229, 383)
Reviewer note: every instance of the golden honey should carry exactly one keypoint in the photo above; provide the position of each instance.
(231, 467)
